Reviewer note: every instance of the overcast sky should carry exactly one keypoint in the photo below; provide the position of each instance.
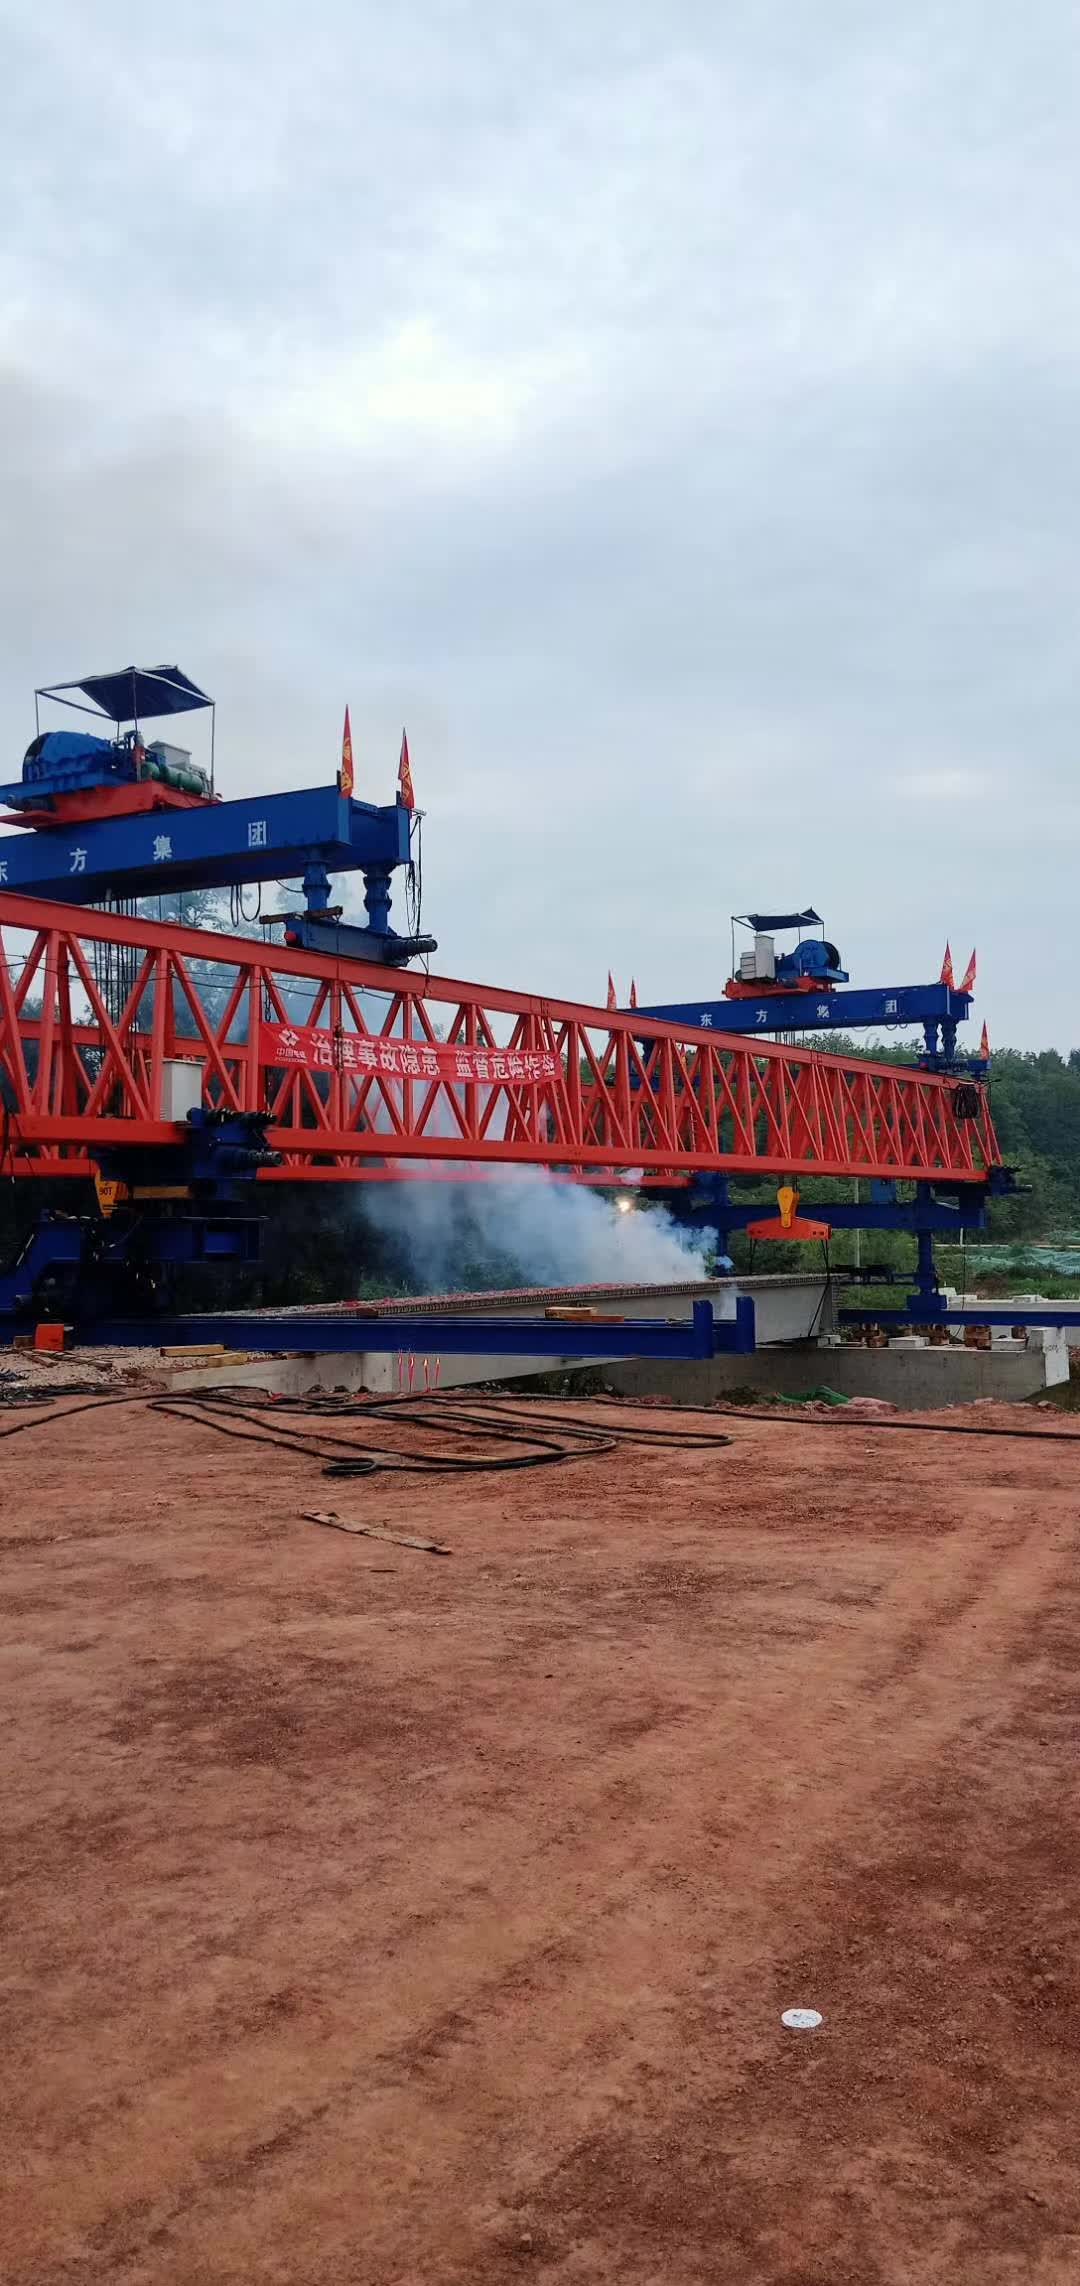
(669, 412)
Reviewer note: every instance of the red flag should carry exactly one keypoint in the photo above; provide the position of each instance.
(947, 976)
(611, 997)
(633, 992)
(345, 774)
(984, 1045)
(967, 983)
(405, 793)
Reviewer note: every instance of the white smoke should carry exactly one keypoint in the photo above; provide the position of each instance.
(523, 1227)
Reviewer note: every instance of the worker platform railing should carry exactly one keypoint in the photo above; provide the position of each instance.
(368, 1075)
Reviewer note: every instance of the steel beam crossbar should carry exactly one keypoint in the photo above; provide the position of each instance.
(885, 1005)
(365, 1074)
(699, 1336)
(213, 844)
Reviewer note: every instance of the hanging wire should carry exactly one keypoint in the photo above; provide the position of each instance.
(115, 967)
(414, 889)
(239, 917)
(9, 1134)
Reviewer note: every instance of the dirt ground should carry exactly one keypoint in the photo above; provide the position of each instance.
(371, 1917)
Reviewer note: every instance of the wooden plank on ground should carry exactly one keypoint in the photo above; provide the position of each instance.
(373, 1531)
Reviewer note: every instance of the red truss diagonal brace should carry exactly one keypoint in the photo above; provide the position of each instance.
(371, 1074)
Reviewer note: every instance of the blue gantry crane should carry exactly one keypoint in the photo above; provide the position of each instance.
(105, 815)
(109, 815)
(118, 817)
(801, 990)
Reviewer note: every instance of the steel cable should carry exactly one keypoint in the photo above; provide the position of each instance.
(241, 1414)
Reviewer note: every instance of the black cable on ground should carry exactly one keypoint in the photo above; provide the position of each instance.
(26, 1393)
(446, 1410)
(839, 1421)
(671, 1439)
(240, 1414)
(345, 1459)
(590, 1437)
(915, 1428)
(340, 1454)
(68, 1412)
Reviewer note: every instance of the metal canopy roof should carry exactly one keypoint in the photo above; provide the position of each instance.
(134, 694)
(781, 920)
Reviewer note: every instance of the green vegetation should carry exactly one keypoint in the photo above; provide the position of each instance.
(1035, 1099)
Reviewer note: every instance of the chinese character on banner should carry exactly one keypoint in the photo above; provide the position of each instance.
(706, 1020)
(347, 1052)
(483, 1067)
(463, 1069)
(324, 1053)
(162, 848)
(498, 1067)
(550, 1066)
(3, 872)
(388, 1057)
(516, 1067)
(365, 1056)
(78, 861)
(890, 1008)
(410, 1062)
(824, 1011)
(257, 833)
(429, 1064)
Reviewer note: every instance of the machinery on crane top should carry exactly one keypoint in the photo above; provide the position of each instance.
(798, 990)
(813, 964)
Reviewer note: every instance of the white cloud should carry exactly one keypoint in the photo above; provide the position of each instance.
(415, 386)
(670, 414)
(945, 785)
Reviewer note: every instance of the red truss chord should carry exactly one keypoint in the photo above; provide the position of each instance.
(369, 1073)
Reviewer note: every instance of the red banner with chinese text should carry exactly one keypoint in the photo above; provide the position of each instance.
(307, 1048)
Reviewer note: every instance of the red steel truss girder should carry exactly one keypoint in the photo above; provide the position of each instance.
(87, 1069)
